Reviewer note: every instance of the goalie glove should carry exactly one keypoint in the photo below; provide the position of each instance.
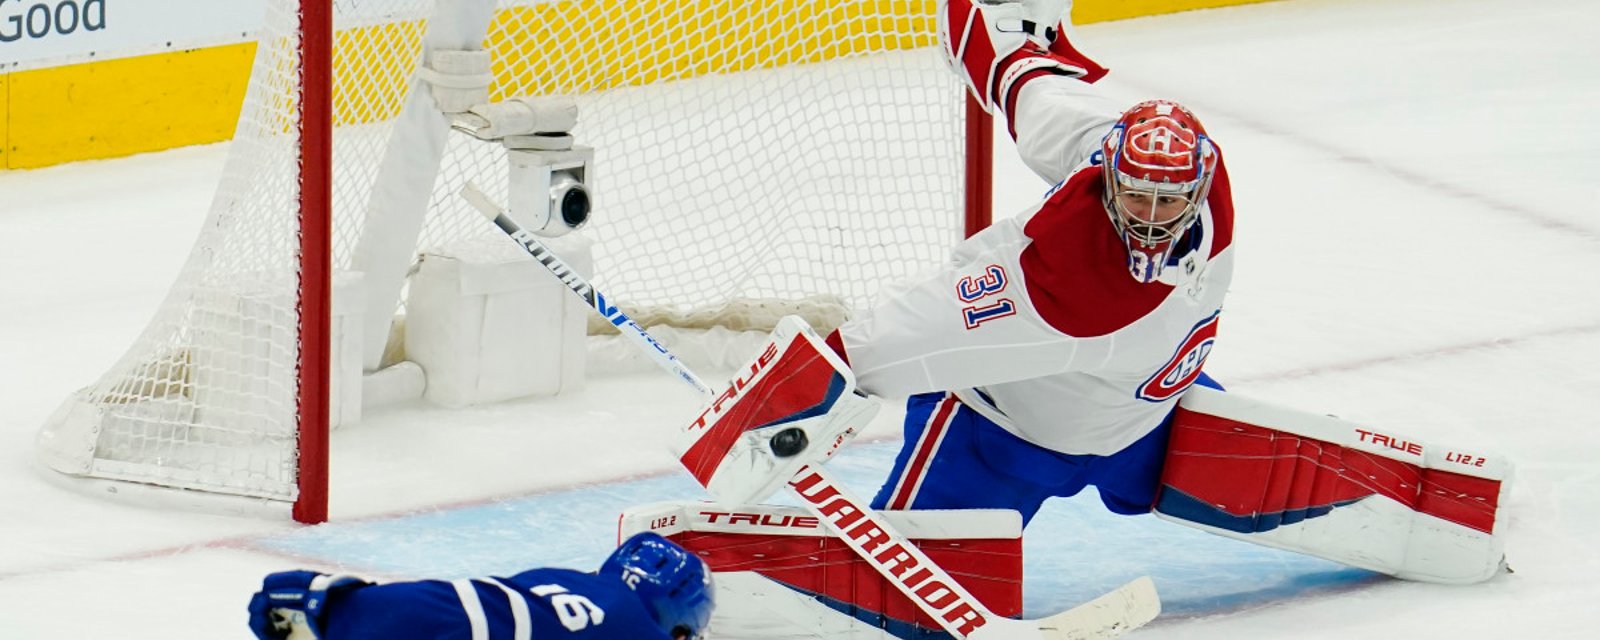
(996, 45)
(796, 404)
(293, 605)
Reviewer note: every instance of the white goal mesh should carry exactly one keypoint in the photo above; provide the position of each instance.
(775, 150)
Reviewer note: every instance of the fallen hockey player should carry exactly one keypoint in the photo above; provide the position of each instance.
(648, 588)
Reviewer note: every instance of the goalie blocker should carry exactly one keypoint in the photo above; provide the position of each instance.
(780, 573)
(796, 404)
(1334, 489)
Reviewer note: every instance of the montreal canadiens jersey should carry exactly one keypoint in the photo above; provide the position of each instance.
(1035, 322)
(536, 604)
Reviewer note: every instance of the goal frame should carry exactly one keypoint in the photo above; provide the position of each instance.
(231, 362)
(316, 217)
(315, 305)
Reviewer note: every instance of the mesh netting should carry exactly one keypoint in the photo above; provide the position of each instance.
(763, 151)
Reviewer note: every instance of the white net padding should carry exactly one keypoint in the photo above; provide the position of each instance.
(748, 155)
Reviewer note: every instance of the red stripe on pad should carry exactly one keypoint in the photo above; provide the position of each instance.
(1244, 469)
(990, 569)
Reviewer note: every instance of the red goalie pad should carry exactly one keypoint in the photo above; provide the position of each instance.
(1334, 489)
(1250, 479)
(780, 574)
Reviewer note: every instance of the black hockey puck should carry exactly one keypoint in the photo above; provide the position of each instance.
(789, 442)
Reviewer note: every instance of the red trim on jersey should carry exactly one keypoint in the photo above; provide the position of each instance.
(1076, 267)
(1009, 103)
(1061, 51)
(927, 447)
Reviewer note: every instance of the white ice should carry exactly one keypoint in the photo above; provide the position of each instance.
(1417, 249)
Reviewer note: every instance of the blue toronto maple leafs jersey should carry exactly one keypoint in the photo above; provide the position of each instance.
(535, 604)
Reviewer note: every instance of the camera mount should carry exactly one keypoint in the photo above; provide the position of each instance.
(546, 181)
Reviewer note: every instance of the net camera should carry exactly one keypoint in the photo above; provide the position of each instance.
(546, 183)
(548, 192)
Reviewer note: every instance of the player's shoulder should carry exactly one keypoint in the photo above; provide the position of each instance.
(552, 574)
(579, 604)
(555, 581)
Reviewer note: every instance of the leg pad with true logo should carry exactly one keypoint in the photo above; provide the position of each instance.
(1352, 493)
(780, 573)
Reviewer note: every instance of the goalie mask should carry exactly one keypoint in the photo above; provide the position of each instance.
(1158, 164)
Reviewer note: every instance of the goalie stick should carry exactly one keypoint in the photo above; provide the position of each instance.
(862, 529)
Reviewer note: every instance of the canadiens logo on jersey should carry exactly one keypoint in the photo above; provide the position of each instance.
(1184, 367)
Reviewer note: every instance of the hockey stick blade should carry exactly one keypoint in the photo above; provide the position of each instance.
(1124, 609)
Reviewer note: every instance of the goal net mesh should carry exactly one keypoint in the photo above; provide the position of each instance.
(779, 151)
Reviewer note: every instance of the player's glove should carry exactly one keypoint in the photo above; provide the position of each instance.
(294, 604)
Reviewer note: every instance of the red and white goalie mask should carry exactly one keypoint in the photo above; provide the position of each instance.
(1158, 164)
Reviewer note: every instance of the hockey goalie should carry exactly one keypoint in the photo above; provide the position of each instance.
(1065, 348)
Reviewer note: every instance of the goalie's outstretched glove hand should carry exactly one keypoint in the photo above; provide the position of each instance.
(294, 604)
(992, 44)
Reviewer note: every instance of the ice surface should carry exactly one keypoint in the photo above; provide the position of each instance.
(1418, 240)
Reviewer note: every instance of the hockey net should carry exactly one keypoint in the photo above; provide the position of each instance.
(751, 158)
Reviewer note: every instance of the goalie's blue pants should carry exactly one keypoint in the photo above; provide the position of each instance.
(954, 458)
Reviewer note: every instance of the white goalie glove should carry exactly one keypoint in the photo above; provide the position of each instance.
(795, 405)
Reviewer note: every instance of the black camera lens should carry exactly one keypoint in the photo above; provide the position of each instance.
(575, 207)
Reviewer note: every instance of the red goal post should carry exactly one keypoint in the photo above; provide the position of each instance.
(795, 148)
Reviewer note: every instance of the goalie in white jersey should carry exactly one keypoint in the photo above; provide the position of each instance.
(1049, 353)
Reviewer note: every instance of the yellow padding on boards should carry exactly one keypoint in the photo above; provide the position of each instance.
(1091, 11)
(125, 106)
(539, 50)
(651, 42)
(119, 107)
(5, 121)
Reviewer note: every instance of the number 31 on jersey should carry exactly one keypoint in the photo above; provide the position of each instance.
(972, 289)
